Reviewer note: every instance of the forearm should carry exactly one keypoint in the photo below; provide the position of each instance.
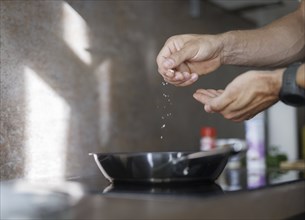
(277, 44)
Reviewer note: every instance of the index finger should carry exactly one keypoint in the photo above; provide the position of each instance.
(164, 53)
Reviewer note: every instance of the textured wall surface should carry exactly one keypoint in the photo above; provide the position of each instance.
(80, 77)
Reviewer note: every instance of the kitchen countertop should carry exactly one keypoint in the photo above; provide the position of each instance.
(237, 194)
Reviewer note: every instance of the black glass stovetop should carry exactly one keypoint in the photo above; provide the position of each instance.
(231, 180)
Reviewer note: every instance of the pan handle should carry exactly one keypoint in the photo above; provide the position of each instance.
(238, 146)
(223, 150)
(231, 147)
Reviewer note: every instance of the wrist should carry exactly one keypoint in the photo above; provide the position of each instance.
(230, 47)
(276, 79)
(272, 81)
(300, 78)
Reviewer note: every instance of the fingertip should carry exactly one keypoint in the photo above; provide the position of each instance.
(208, 109)
(194, 76)
(196, 96)
(201, 91)
(186, 75)
(170, 73)
(168, 63)
(179, 76)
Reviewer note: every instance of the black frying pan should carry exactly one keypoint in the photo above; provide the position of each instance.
(166, 167)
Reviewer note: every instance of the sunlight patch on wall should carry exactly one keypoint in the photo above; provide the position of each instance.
(75, 33)
(103, 74)
(47, 118)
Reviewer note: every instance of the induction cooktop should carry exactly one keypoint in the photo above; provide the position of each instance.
(231, 180)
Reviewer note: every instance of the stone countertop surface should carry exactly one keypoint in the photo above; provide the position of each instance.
(279, 195)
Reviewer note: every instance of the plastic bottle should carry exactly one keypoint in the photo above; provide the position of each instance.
(255, 136)
(208, 138)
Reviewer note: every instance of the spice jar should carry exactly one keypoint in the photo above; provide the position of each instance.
(208, 138)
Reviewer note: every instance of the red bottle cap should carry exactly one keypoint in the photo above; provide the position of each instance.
(208, 132)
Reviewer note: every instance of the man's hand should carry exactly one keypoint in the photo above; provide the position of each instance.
(246, 96)
(184, 57)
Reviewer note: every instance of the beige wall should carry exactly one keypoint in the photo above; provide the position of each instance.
(81, 77)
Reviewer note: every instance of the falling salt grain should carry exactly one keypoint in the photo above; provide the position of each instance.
(163, 126)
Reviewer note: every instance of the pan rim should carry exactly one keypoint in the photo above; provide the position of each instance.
(146, 152)
(158, 152)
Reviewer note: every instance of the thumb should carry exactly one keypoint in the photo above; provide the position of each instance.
(219, 103)
(180, 56)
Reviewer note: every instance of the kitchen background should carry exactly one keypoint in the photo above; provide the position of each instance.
(80, 77)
